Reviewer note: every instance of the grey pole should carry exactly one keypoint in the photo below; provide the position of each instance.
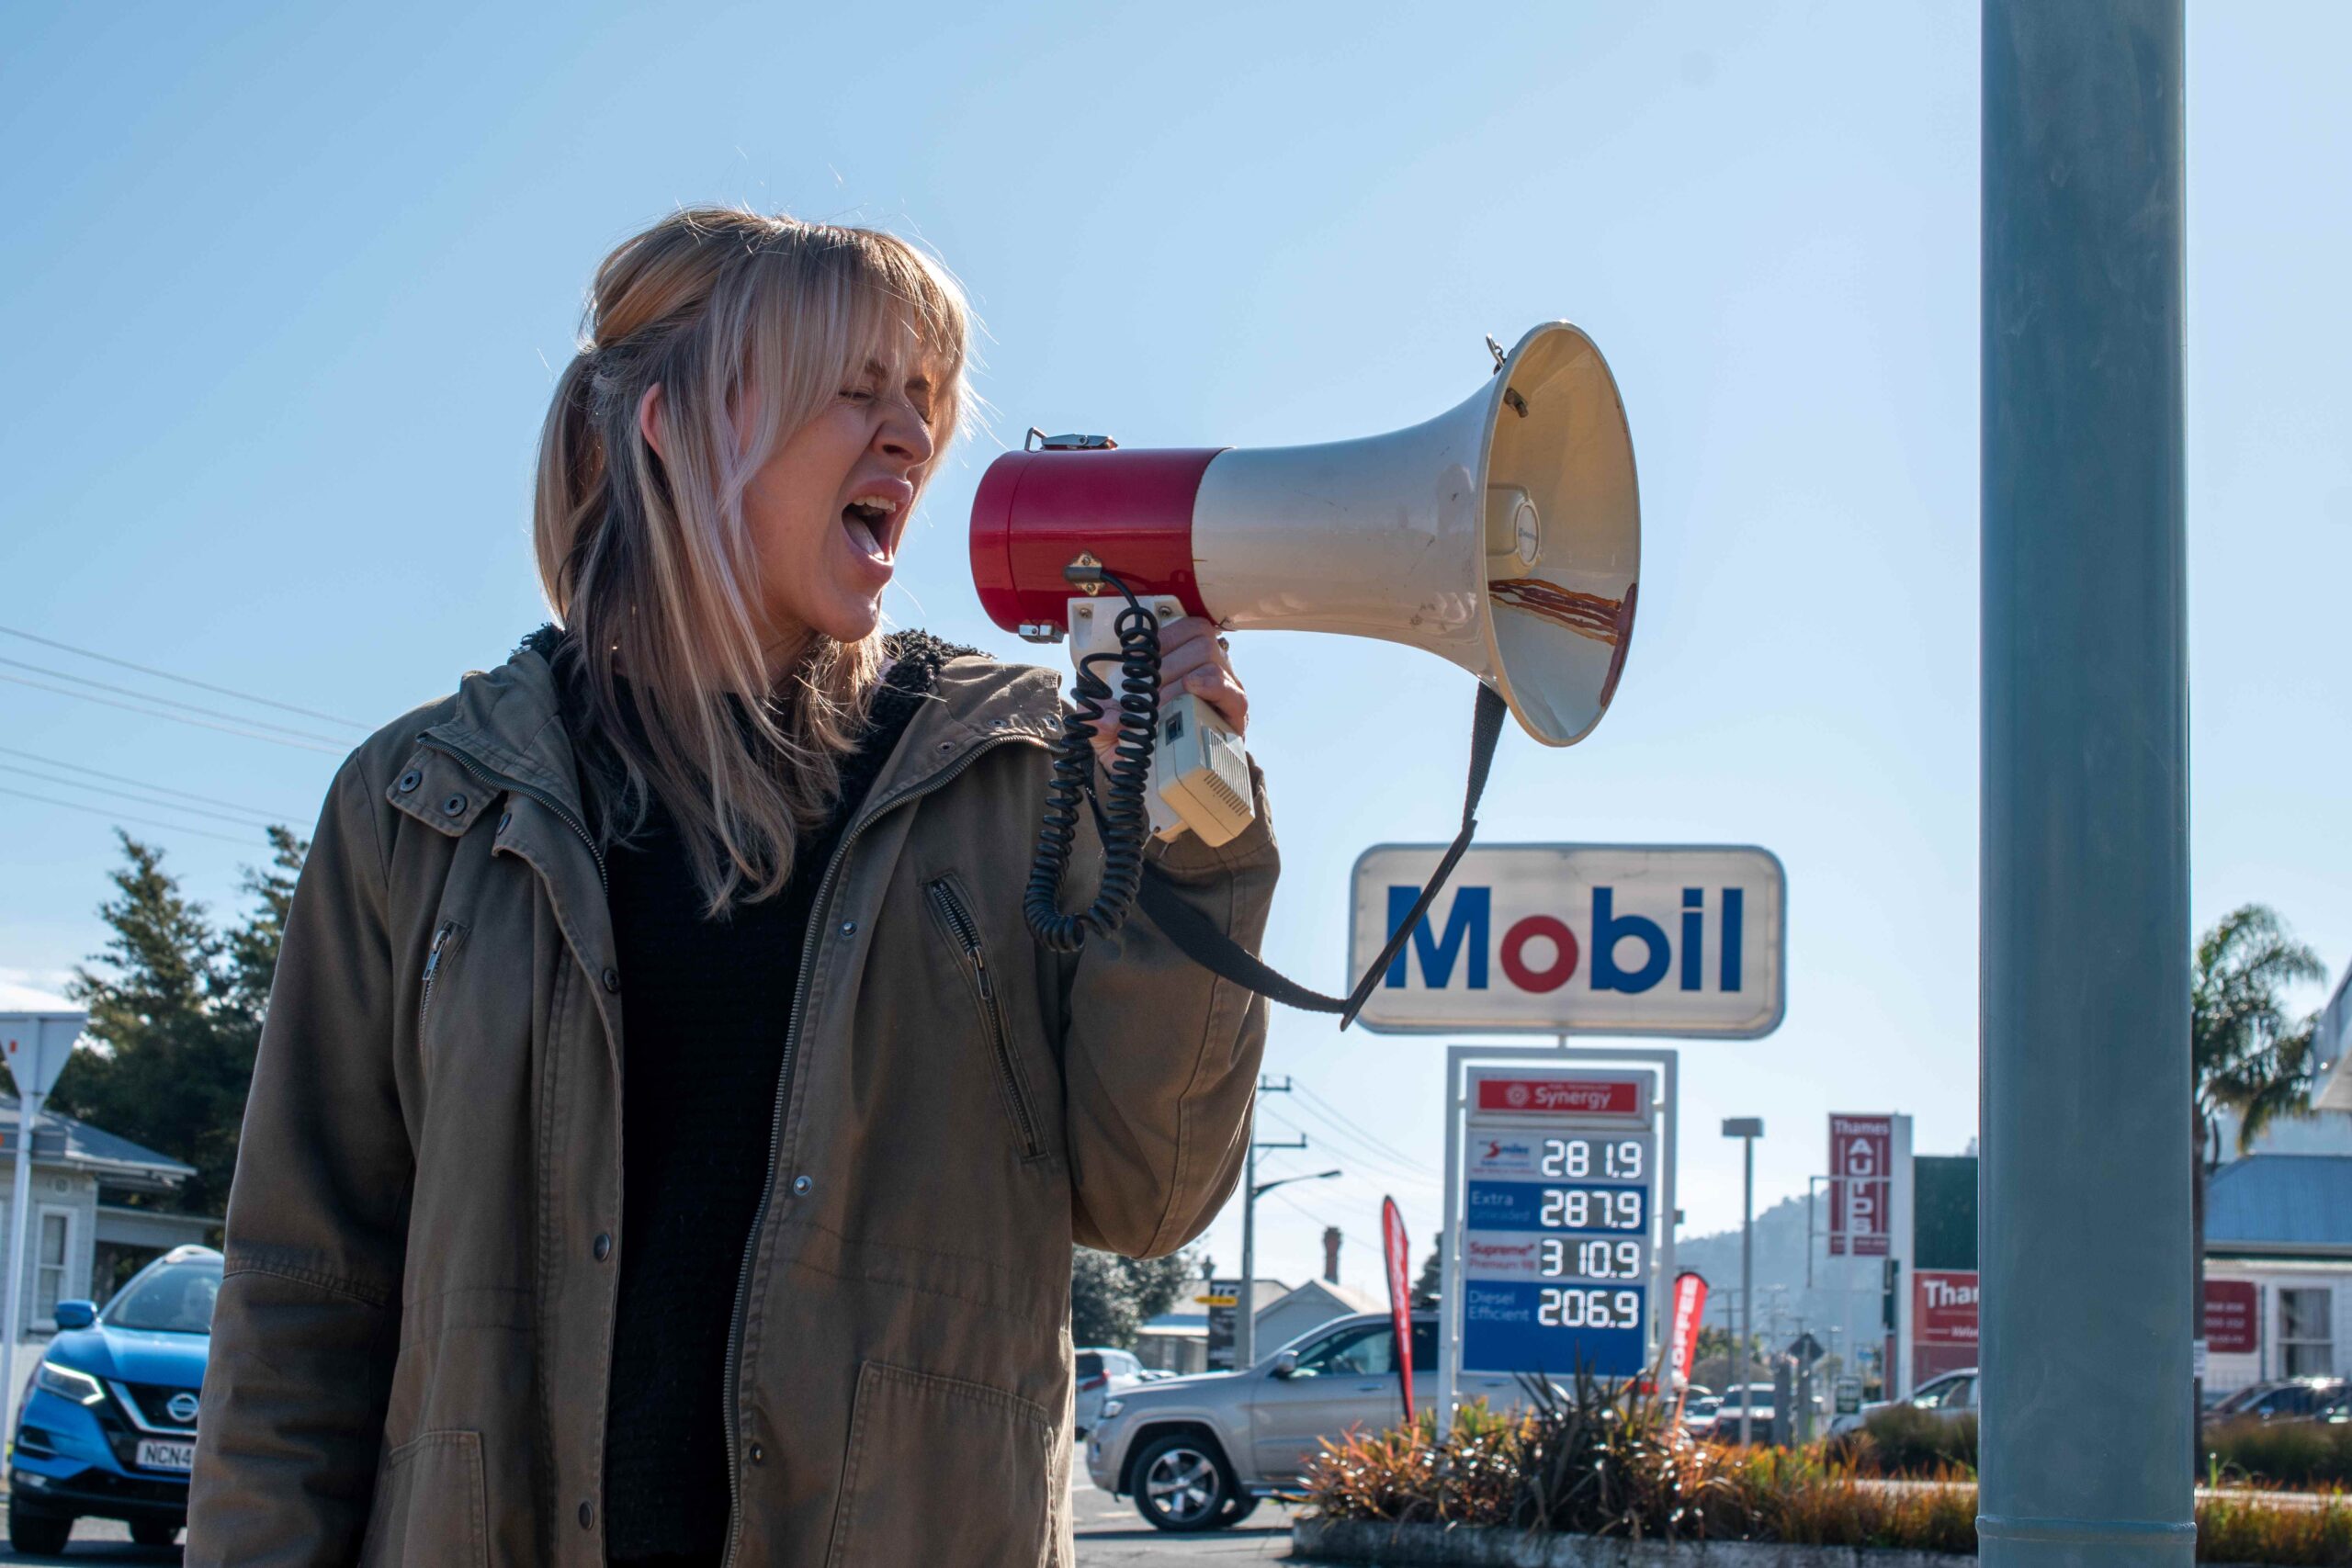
(2085, 1220)
(1746, 1129)
(1244, 1314)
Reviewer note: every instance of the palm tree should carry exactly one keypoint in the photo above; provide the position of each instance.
(2249, 1058)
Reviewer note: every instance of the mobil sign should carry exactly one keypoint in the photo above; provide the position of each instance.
(1607, 939)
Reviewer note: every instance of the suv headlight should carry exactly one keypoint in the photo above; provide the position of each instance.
(1111, 1408)
(79, 1387)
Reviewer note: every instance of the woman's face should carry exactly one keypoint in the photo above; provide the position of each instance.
(827, 510)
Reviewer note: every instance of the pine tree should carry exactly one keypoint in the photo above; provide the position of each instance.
(176, 1007)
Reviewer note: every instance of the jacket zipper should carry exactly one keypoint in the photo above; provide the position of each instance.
(564, 814)
(782, 1095)
(451, 930)
(968, 932)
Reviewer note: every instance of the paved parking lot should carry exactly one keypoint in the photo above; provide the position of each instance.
(1109, 1532)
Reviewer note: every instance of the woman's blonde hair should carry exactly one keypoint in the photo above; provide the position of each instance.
(750, 324)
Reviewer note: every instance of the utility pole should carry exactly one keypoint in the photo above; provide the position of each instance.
(1746, 1129)
(1245, 1319)
(2084, 1221)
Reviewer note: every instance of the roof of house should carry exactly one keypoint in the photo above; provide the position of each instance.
(62, 1140)
(2294, 1205)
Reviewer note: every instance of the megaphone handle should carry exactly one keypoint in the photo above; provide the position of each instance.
(1221, 955)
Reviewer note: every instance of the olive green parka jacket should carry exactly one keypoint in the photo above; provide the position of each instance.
(409, 1358)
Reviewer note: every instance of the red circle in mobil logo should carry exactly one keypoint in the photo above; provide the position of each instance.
(1553, 975)
(1517, 1094)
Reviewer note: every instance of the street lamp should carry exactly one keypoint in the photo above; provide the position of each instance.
(1746, 1129)
(1244, 1316)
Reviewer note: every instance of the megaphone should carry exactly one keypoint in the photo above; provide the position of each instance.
(1503, 535)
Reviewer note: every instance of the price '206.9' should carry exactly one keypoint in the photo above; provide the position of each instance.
(1570, 1308)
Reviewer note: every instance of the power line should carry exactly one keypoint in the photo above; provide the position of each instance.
(333, 750)
(164, 702)
(142, 783)
(248, 819)
(124, 816)
(183, 680)
(1333, 1112)
(1383, 1167)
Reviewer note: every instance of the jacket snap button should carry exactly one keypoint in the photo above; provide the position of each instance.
(759, 1454)
(587, 1515)
(612, 979)
(802, 1186)
(409, 781)
(603, 1246)
(454, 807)
(849, 928)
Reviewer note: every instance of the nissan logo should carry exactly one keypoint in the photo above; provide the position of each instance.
(181, 1407)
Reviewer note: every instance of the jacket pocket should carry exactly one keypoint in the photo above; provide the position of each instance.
(941, 1471)
(954, 917)
(448, 938)
(430, 1507)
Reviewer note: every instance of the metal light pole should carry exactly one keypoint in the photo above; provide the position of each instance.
(2084, 1227)
(37, 1046)
(1746, 1129)
(1245, 1322)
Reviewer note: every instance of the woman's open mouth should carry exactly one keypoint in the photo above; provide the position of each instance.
(870, 521)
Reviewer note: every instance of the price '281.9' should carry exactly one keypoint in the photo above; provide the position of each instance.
(1613, 1159)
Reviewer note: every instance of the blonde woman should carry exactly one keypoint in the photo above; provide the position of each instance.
(667, 1142)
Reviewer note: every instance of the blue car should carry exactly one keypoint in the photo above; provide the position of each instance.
(108, 1425)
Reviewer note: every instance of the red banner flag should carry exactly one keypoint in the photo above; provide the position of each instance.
(1682, 1349)
(1399, 1256)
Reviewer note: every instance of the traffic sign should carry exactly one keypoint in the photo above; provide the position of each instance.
(1617, 939)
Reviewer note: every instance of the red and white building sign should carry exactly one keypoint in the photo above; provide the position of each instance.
(1861, 1164)
(1943, 1307)
(1563, 1097)
(2233, 1318)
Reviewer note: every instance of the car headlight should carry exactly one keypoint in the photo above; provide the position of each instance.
(79, 1387)
(1111, 1408)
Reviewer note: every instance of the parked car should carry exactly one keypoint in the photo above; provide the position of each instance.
(1699, 1412)
(1950, 1396)
(1726, 1426)
(1103, 1372)
(107, 1428)
(2285, 1398)
(1198, 1452)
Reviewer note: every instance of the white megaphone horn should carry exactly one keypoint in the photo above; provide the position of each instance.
(1503, 535)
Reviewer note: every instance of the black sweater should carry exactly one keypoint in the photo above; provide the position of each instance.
(704, 1017)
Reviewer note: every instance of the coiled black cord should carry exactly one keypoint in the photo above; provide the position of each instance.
(1122, 816)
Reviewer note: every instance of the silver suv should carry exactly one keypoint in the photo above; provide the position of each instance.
(1197, 1453)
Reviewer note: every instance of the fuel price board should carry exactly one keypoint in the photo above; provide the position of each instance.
(1559, 1221)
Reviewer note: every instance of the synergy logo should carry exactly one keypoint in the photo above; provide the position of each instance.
(1563, 1097)
(1540, 952)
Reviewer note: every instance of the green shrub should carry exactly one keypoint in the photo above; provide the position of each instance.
(2247, 1527)
(2289, 1453)
(1903, 1441)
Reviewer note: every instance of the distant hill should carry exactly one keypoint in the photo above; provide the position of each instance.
(1845, 1296)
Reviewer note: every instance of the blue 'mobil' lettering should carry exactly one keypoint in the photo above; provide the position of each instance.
(1471, 921)
(1609, 929)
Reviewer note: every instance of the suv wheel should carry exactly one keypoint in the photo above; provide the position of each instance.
(1182, 1484)
(37, 1534)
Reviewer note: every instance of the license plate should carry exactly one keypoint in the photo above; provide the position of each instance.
(158, 1453)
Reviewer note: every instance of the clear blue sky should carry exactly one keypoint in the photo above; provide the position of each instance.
(284, 289)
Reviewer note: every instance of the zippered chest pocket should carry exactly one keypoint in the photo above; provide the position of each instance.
(448, 938)
(954, 917)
